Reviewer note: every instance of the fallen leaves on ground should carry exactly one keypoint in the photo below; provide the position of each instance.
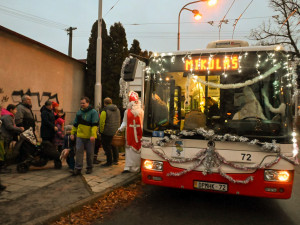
(104, 206)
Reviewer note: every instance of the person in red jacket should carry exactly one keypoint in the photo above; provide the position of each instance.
(8, 131)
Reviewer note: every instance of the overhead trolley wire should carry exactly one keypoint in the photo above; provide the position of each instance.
(111, 8)
(175, 23)
(220, 24)
(237, 20)
(32, 18)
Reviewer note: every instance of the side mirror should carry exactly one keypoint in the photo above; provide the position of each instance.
(130, 69)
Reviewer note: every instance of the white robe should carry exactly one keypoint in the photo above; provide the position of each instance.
(132, 157)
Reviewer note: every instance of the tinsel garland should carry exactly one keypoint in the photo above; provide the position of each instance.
(240, 85)
(124, 85)
(246, 181)
(210, 135)
(210, 158)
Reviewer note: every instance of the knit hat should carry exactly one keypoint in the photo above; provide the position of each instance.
(60, 121)
(68, 127)
(55, 104)
(133, 96)
(47, 103)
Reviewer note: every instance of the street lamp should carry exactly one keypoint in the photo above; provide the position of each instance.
(196, 13)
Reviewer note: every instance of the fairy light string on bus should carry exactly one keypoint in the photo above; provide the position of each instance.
(215, 63)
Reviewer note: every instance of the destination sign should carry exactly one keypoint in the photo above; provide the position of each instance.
(217, 63)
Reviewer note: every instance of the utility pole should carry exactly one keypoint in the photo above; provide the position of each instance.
(70, 33)
(98, 88)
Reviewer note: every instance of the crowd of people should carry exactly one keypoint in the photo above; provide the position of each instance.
(88, 132)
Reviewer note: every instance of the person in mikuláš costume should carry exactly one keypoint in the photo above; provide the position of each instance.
(133, 123)
(85, 127)
(109, 123)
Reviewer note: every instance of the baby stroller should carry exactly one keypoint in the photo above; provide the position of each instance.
(32, 154)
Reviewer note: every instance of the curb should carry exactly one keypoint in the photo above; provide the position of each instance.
(51, 217)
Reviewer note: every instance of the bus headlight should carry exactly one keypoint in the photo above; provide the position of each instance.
(277, 175)
(153, 165)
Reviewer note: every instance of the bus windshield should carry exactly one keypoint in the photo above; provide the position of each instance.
(247, 94)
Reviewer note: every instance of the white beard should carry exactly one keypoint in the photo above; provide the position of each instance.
(136, 108)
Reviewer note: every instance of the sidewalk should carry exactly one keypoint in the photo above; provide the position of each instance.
(44, 194)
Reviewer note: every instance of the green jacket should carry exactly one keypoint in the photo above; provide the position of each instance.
(85, 123)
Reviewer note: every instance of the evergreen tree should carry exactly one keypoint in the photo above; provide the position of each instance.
(90, 77)
(135, 47)
(119, 52)
(146, 54)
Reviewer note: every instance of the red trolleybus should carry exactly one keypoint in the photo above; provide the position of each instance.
(221, 120)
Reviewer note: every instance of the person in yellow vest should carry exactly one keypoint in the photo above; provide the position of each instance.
(109, 123)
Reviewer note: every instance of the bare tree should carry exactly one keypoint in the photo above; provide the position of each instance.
(283, 28)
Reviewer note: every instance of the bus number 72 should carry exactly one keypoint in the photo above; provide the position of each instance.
(246, 156)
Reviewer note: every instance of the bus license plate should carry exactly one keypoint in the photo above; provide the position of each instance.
(210, 186)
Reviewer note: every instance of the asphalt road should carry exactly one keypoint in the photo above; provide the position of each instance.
(159, 206)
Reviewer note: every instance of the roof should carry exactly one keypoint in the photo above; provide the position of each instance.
(225, 50)
(6, 30)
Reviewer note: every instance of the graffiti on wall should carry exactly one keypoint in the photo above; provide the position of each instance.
(36, 97)
(3, 98)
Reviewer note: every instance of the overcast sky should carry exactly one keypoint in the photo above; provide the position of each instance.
(152, 22)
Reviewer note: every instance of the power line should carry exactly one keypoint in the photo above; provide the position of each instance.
(171, 34)
(175, 23)
(111, 8)
(32, 18)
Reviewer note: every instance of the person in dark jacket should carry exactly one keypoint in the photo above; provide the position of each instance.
(24, 115)
(8, 131)
(48, 130)
(109, 123)
(48, 127)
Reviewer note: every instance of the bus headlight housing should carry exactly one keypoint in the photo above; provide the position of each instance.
(153, 165)
(277, 175)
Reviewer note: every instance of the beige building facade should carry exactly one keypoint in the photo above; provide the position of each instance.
(29, 67)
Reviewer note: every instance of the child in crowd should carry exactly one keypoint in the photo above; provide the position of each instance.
(59, 135)
(55, 109)
(68, 151)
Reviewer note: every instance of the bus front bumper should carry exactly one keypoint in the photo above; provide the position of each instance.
(195, 180)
